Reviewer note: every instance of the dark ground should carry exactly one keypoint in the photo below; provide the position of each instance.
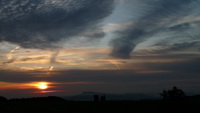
(61, 106)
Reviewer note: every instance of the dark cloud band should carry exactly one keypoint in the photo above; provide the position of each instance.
(41, 23)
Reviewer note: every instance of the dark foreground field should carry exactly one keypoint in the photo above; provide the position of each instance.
(42, 106)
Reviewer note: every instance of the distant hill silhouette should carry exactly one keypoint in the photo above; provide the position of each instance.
(2, 99)
(49, 98)
(193, 98)
(88, 96)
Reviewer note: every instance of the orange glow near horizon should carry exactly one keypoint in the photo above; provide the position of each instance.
(41, 85)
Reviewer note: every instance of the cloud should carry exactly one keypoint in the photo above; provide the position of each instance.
(162, 47)
(166, 17)
(42, 23)
(189, 66)
(53, 57)
(9, 61)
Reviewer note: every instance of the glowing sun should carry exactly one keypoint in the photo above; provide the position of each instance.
(42, 85)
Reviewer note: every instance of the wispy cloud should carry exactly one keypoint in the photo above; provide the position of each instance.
(167, 17)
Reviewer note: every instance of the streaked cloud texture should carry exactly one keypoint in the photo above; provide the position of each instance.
(42, 23)
(177, 22)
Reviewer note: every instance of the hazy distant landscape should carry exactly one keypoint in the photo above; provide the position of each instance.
(88, 96)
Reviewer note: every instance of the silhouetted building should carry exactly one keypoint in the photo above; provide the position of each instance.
(103, 98)
(96, 98)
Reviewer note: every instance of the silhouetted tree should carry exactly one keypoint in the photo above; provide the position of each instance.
(174, 94)
(164, 94)
(3, 99)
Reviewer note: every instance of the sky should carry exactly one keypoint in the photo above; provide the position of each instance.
(66, 47)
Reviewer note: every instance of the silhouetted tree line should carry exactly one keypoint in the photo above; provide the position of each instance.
(173, 94)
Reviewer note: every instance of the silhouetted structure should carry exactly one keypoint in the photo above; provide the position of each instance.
(3, 99)
(103, 98)
(174, 94)
(96, 98)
